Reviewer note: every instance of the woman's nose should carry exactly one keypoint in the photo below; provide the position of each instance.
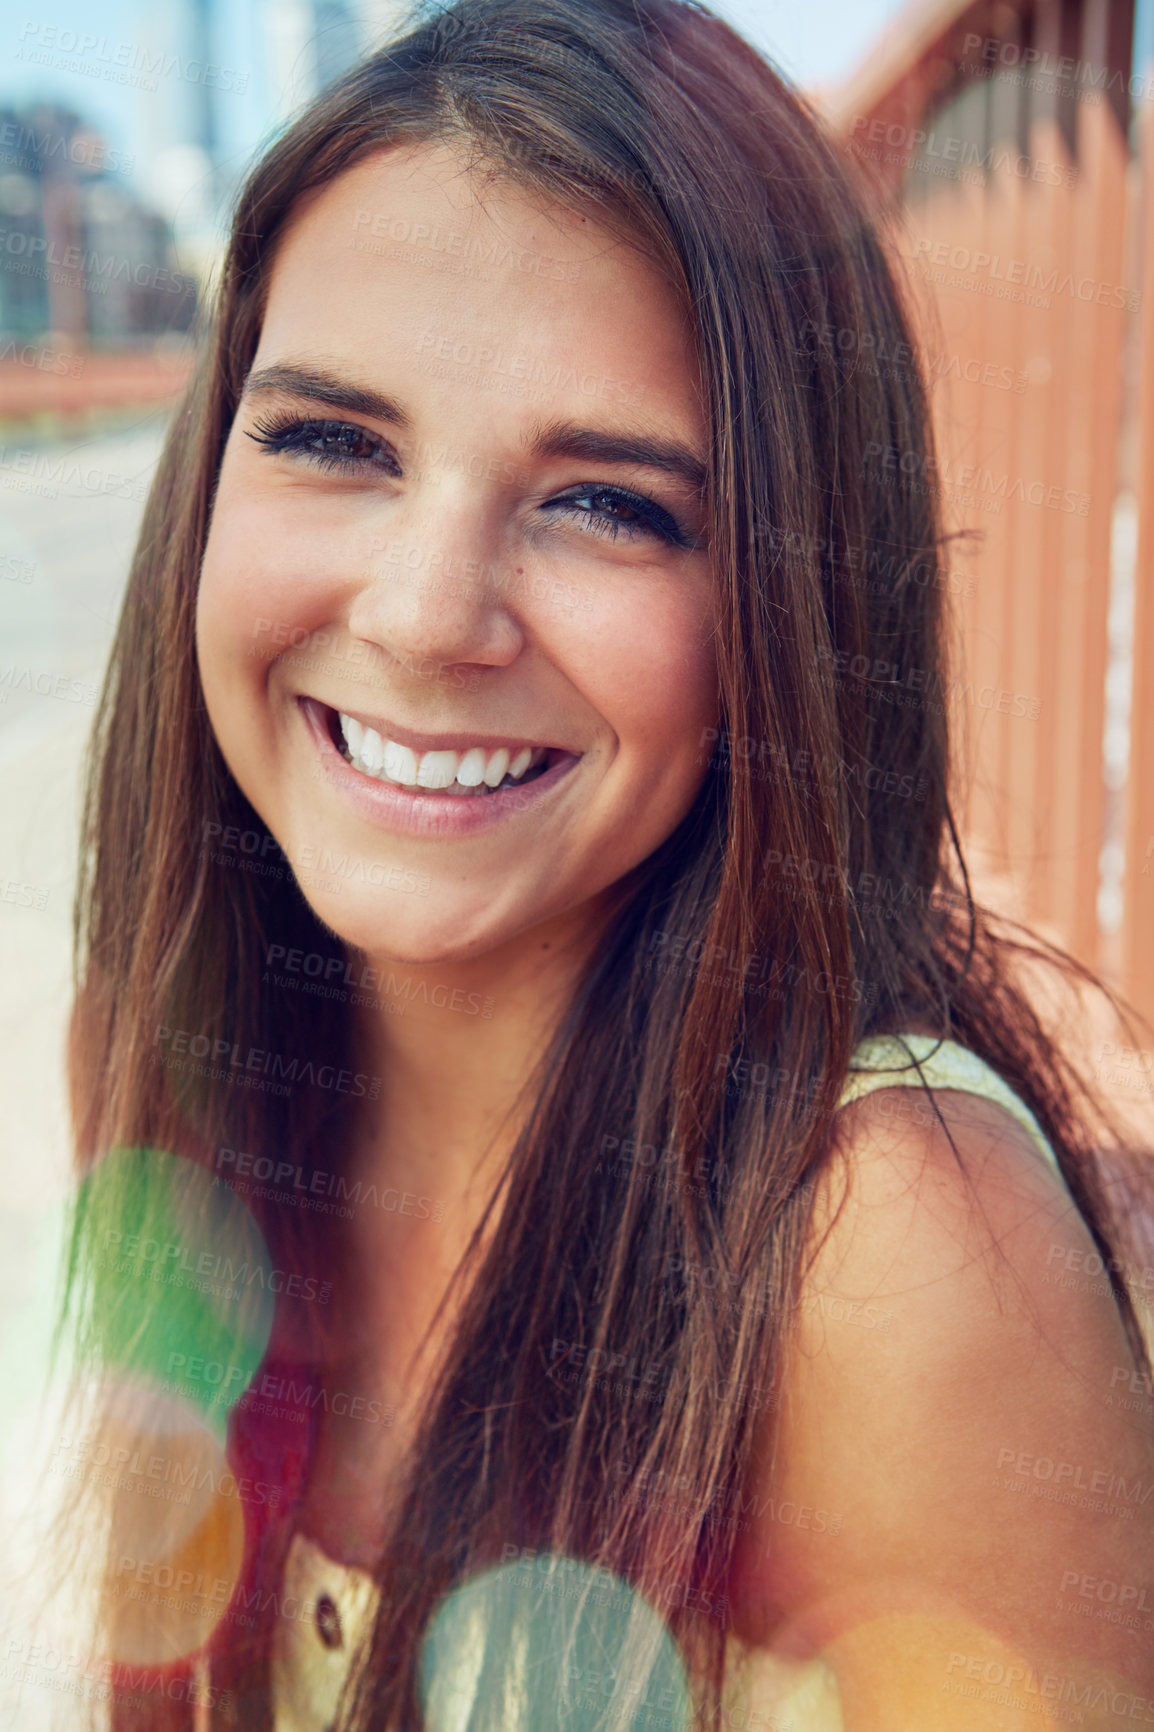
(437, 589)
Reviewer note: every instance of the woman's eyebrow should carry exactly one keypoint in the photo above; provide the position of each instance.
(565, 439)
(324, 388)
(557, 439)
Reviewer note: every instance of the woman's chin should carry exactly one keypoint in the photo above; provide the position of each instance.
(433, 931)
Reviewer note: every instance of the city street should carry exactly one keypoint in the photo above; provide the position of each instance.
(69, 513)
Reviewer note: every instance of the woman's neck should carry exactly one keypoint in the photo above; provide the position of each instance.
(456, 1045)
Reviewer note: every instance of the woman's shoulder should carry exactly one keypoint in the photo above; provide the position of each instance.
(919, 1059)
(948, 1407)
(950, 1193)
(936, 1161)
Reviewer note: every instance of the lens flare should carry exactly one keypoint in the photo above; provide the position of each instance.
(183, 1293)
(177, 1525)
(551, 1641)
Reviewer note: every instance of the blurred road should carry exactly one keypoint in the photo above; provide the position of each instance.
(69, 514)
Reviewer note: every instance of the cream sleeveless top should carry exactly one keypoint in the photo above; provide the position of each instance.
(334, 1604)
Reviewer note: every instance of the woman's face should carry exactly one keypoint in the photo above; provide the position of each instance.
(459, 539)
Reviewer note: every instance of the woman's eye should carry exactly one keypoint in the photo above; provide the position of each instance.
(330, 445)
(609, 510)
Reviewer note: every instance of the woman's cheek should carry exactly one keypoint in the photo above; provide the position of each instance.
(655, 659)
(259, 585)
(646, 663)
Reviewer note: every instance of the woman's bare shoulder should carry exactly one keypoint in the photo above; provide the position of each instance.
(964, 1416)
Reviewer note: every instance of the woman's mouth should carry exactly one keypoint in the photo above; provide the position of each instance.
(469, 771)
(431, 785)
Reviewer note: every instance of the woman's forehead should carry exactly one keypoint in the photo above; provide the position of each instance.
(450, 184)
(411, 263)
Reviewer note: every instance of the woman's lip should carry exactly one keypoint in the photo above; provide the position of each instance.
(414, 810)
(440, 742)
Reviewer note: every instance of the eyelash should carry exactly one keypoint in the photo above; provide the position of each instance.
(290, 434)
(294, 436)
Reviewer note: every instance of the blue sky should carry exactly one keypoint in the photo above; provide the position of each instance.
(812, 40)
(815, 42)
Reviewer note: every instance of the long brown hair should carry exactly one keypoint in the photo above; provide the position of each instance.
(815, 894)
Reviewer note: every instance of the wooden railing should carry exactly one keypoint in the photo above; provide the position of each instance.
(1005, 164)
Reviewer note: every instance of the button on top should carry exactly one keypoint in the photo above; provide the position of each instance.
(328, 1622)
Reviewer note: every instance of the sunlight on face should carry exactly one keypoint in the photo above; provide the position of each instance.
(461, 505)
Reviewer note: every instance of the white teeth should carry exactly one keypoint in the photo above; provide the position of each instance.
(471, 771)
(454, 773)
(372, 750)
(400, 764)
(496, 767)
(437, 769)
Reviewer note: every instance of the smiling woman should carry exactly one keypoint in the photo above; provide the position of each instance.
(469, 1045)
(587, 752)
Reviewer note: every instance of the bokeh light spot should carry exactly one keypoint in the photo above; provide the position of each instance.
(550, 1641)
(182, 1280)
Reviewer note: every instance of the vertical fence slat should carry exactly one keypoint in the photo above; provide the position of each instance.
(1138, 890)
(1091, 469)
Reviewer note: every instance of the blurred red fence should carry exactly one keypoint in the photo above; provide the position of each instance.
(1011, 148)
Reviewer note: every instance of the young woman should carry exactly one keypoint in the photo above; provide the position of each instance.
(526, 1288)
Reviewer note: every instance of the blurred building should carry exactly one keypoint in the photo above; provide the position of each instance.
(271, 57)
(111, 247)
(82, 258)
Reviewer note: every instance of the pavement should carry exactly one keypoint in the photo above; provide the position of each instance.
(69, 514)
